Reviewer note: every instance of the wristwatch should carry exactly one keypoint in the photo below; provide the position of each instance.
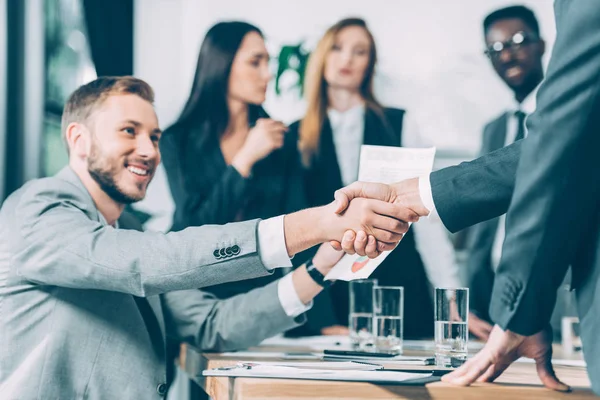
(316, 275)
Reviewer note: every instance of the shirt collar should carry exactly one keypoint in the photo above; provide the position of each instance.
(528, 104)
(356, 112)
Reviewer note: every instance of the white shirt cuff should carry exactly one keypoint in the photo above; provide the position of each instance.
(291, 303)
(426, 195)
(271, 243)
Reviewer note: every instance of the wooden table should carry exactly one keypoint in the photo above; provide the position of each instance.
(520, 381)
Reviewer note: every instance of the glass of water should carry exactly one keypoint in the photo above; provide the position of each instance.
(388, 305)
(451, 326)
(360, 320)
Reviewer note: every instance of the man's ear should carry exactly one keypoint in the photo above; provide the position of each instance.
(78, 137)
(542, 47)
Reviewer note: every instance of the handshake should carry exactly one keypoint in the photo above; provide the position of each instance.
(371, 217)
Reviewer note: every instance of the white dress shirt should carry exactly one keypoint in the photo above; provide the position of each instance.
(528, 107)
(431, 238)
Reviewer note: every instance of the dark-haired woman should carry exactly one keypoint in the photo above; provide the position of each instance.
(225, 159)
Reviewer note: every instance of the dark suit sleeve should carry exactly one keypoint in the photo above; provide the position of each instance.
(476, 191)
(196, 206)
(557, 189)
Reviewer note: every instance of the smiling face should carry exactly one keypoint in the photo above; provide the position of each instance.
(348, 60)
(516, 53)
(250, 73)
(121, 147)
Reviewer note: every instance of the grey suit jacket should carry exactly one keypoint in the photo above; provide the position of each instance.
(554, 219)
(479, 269)
(80, 315)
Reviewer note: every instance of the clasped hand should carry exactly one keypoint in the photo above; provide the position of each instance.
(394, 207)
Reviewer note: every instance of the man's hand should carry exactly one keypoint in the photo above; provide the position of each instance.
(326, 258)
(501, 350)
(384, 221)
(479, 327)
(405, 194)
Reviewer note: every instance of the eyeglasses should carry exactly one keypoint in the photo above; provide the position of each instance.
(516, 43)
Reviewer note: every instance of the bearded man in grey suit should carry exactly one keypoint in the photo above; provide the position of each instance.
(551, 182)
(80, 311)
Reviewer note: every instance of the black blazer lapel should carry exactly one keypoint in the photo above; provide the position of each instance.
(381, 130)
(324, 176)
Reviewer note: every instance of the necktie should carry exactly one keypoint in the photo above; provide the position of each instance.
(520, 124)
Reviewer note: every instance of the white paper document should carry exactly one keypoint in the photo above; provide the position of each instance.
(314, 343)
(383, 164)
(254, 370)
(269, 355)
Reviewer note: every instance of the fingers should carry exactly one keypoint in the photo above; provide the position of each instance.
(386, 236)
(383, 246)
(336, 245)
(371, 248)
(271, 124)
(494, 371)
(548, 376)
(397, 212)
(360, 243)
(348, 242)
(344, 195)
(377, 191)
(273, 130)
(470, 371)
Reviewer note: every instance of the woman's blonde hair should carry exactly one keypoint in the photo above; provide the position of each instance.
(315, 87)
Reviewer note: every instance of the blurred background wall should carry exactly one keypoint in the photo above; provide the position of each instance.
(431, 62)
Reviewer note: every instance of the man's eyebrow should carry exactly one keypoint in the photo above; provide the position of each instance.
(132, 122)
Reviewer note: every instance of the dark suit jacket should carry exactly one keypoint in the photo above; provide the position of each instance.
(323, 178)
(480, 272)
(208, 191)
(554, 219)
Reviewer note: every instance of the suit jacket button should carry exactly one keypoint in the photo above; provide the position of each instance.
(217, 254)
(222, 253)
(229, 252)
(161, 389)
(235, 249)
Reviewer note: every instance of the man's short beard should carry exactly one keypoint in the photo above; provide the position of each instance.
(105, 179)
(107, 183)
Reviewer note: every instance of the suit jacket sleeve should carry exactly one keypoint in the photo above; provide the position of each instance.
(476, 191)
(239, 322)
(557, 189)
(195, 206)
(60, 242)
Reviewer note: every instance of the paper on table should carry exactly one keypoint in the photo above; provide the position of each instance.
(312, 342)
(271, 355)
(384, 164)
(414, 360)
(321, 365)
(271, 371)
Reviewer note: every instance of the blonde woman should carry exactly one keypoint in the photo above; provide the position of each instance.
(342, 114)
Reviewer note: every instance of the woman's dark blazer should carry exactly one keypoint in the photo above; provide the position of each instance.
(208, 191)
(403, 267)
